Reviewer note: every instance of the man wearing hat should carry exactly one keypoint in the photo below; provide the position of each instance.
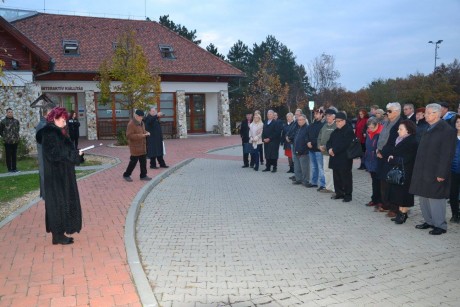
(339, 162)
(448, 116)
(136, 135)
(323, 137)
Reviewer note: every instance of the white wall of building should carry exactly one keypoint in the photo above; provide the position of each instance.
(211, 111)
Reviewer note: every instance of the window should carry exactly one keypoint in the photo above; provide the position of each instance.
(71, 47)
(114, 45)
(167, 52)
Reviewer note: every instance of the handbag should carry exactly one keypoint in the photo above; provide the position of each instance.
(396, 175)
(354, 150)
(247, 148)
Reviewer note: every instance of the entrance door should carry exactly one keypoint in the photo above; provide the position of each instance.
(196, 115)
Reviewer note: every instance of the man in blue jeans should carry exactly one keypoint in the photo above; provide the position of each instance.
(300, 152)
(316, 157)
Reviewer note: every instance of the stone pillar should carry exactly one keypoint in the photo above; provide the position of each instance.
(223, 113)
(181, 115)
(19, 99)
(91, 123)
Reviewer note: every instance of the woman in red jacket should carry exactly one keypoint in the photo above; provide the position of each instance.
(360, 132)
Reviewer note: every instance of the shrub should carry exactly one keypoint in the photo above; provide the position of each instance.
(121, 138)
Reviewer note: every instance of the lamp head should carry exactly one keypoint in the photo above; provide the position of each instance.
(439, 41)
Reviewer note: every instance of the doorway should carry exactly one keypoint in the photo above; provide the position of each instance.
(196, 113)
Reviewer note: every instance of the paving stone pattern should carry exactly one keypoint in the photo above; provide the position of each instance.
(214, 234)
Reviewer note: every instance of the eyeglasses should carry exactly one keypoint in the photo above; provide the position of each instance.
(389, 111)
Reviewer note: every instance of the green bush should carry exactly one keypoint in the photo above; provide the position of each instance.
(23, 150)
(121, 138)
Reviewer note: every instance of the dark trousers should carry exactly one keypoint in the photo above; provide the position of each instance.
(271, 162)
(11, 151)
(75, 141)
(246, 158)
(376, 195)
(260, 148)
(153, 161)
(255, 159)
(343, 182)
(454, 189)
(132, 165)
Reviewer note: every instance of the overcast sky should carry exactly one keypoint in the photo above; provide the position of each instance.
(369, 39)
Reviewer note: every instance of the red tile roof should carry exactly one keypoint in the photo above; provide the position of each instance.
(96, 35)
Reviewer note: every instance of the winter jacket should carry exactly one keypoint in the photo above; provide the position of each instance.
(136, 138)
(324, 135)
(9, 130)
(370, 156)
(301, 140)
(313, 133)
(456, 161)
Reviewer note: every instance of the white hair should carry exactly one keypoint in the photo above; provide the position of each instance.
(434, 107)
(271, 111)
(394, 105)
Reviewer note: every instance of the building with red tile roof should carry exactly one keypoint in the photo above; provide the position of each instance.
(68, 51)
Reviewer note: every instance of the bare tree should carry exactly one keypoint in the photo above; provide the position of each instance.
(323, 74)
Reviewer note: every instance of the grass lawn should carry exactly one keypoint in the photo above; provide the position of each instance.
(31, 164)
(16, 186)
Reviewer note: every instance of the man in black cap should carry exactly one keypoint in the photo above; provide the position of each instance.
(136, 135)
(339, 162)
(448, 116)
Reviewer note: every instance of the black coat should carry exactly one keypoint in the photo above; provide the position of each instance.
(383, 167)
(313, 132)
(74, 128)
(285, 132)
(62, 201)
(339, 141)
(155, 140)
(404, 153)
(244, 131)
(422, 125)
(434, 157)
(301, 140)
(272, 131)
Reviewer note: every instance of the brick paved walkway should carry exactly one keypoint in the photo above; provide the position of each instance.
(214, 234)
(93, 271)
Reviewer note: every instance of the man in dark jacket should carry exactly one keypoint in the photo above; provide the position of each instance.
(431, 176)
(9, 131)
(300, 152)
(339, 162)
(409, 112)
(271, 136)
(244, 134)
(316, 158)
(291, 135)
(155, 139)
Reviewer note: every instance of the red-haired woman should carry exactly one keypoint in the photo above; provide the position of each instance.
(360, 132)
(62, 201)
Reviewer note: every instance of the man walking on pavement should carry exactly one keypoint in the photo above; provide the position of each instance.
(155, 139)
(9, 131)
(136, 135)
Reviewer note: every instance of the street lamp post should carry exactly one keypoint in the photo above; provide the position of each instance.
(436, 47)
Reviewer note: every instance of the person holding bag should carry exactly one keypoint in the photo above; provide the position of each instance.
(403, 155)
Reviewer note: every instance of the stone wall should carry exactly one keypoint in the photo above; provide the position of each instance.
(19, 99)
(91, 122)
(181, 115)
(224, 114)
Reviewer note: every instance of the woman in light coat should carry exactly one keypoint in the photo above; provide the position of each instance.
(255, 138)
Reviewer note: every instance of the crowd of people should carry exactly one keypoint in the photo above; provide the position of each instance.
(419, 147)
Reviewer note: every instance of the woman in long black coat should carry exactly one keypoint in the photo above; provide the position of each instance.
(62, 201)
(155, 140)
(403, 153)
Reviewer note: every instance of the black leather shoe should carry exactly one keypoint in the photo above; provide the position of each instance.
(337, 196)
(274, 170)
(424, 226)
(153, 167)
(61, 239)
(256, 168)
(164, 166)
(346, 199)
(309, 185)
(245, 166)
(437, 231)
(400, 218)
(297, 182)
(292, 177)
(266, 170)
